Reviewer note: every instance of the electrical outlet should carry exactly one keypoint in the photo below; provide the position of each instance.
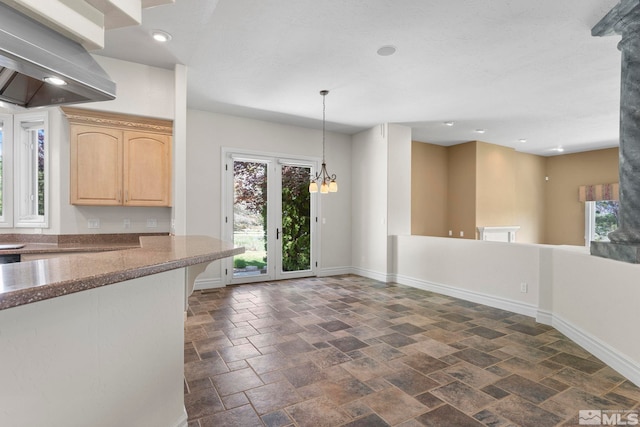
(524, 288)
(450, 232)
(462, 234)
(93, 223)
(152, 223)
(126, 223)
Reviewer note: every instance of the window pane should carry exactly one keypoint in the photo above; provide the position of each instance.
(40, 160)
(296, 218)
(606, 219)
(1, 169)
(250, 217)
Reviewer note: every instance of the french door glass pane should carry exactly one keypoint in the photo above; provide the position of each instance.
(296, 218)
(250, 217)
(1, 169)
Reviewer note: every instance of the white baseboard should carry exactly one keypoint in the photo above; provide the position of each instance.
(371, 274)
(183, 421)
(208, 284)
(333, 271)
(545, 317)
(490, 300)
(598, 348)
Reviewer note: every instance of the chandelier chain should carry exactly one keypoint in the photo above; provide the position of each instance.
(324, 98)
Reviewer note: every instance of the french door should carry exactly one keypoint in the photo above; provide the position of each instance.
(268, 209)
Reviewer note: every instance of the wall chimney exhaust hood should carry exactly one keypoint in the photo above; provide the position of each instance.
(32, 54)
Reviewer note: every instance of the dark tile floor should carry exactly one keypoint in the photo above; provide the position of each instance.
(350, 351)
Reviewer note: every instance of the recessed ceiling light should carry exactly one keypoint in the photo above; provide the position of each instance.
(448, 123)
(558, 149)
(55, 81)
(387, 50)
(522, 140)
(480, 130)
(161, 36)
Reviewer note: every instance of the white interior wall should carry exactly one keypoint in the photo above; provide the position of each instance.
(208, 132)
(398, 189)
(595, 303)
(399, 180)
(104, 357)
(591, 300)
(369, 169)
(471, 268)
(179, 172)
(140, 89)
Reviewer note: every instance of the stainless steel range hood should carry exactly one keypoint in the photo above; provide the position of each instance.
(31, 53)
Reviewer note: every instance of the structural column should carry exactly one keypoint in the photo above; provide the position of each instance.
(624, 20)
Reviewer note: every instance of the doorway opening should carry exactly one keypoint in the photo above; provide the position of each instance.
(269, 211)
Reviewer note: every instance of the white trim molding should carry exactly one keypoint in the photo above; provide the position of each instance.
(183, 421)
(612, 357)
(208, 283)
(371, 274)
(333, 271)
(480, 298)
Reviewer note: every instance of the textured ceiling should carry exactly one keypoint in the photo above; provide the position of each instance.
(517, 68)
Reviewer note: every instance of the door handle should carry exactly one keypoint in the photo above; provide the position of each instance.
(277, 234)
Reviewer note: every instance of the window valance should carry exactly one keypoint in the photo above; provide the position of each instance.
(597, 192)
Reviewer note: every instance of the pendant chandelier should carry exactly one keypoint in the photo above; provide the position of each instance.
(323, 179)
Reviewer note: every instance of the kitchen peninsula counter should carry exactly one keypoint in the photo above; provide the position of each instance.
(28, 282)
(97, 339)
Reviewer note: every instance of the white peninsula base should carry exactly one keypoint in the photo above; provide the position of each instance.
(108, 356)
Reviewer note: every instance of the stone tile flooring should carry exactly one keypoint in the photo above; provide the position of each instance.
(350, 351)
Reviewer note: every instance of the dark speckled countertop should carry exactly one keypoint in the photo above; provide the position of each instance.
(32, 281)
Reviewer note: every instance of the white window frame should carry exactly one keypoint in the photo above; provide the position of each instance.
(6, 217)
(25, 156)
(589, 222)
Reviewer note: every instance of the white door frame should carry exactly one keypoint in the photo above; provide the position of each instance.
(274, 217)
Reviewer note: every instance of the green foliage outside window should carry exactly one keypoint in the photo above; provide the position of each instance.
(296, 219)
(250, 201)
(1, 186)
(40, 171)
(606, 219)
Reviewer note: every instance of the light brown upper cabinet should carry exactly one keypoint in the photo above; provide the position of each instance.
(119, 159)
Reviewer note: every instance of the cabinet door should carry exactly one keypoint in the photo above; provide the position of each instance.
(147, 169)
(96, 166)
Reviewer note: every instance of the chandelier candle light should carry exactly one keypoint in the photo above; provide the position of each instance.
(326, 181)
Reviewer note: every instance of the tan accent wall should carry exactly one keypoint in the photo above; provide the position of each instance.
(529, 209)
(495, 185)
(461, 200)
(564, 214)
(429, 184)
(476, 184)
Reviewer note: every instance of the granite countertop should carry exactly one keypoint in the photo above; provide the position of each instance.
(32, 281)
(43, 244)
